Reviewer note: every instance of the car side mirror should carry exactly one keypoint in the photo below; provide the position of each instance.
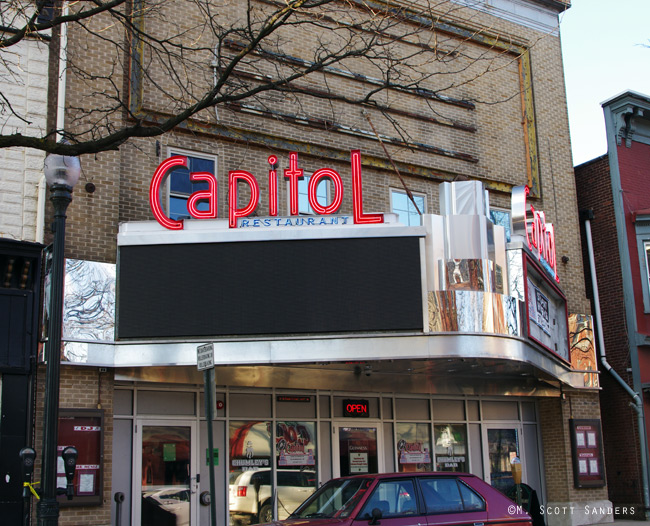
(376, 516)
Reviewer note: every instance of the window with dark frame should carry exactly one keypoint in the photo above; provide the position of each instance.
(180, 187)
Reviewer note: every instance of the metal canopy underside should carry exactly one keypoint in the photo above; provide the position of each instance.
(392, 376)
(434, 363)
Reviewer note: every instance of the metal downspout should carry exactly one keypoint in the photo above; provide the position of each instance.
(588, 215)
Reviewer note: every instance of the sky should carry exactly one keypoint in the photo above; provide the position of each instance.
(606, 51)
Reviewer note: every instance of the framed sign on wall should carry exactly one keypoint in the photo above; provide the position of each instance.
(587, 454)
(83, 429)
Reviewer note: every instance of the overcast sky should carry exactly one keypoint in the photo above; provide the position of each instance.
(606, 51)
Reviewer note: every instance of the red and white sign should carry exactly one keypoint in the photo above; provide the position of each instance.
(531, 224)
(236, 177)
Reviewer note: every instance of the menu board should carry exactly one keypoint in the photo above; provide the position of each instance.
(83, 429)
(587, 452)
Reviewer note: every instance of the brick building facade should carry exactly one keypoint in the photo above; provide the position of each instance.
(24, 74)
(491, 110)
(611, 191)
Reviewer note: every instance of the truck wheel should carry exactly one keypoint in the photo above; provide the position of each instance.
(266, 514)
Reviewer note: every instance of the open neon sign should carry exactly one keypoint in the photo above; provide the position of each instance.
(532, 226)
(292, 174)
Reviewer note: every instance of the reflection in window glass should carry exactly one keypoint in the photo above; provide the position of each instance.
(472, 501)
(503, 448)
(404, 208)
(250, 470)
(180, 186)
(336, 498)
(413, 447)
(295, 453)
(322, 195)
(394, 498)
(165, 473)
(449, 495)
(501, 218)
(451, 447)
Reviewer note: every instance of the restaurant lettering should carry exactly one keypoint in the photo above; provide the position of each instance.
(236, 177)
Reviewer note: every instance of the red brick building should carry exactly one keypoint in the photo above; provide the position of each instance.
(614, 194)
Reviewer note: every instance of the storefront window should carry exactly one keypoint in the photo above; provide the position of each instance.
(413, 447)
(295, 453)
(250, 471)
(451, 447)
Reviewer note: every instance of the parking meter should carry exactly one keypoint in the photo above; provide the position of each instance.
(69, 463)
(27, 459)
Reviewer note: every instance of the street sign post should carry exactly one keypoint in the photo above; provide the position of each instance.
(205, 363)
(205, 357)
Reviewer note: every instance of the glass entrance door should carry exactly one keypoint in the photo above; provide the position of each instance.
(358, 450)
(503, 444)
(165, 484)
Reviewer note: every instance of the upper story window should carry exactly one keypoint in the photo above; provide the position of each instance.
(646, 258)
(47, 12)
(401, 205)
(502, 218)
(642, 227)
(179, 185)
(322, 194)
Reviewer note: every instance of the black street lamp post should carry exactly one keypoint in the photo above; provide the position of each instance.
(61, 173)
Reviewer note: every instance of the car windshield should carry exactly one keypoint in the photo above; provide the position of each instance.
(335, 499)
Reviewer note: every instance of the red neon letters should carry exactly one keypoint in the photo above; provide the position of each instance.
(540, 235)
(357, 408)
(293, 174)
(154, 191)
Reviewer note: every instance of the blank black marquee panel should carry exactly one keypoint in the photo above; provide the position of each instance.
(269, 287)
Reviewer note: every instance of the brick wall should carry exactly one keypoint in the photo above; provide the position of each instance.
(555, 414)
(620, 430)
(81, 388)
(497, 143)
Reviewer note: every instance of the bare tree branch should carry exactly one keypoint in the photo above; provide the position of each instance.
(158, 71)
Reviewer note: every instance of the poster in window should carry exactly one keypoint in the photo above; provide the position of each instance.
(358, 460)
(413, 447)
(451, 447)
(538, 308)
(295, 444)
(250, 446)
(82, 429)
(587, 453)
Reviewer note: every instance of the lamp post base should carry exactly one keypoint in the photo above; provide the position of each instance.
(47, 512)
